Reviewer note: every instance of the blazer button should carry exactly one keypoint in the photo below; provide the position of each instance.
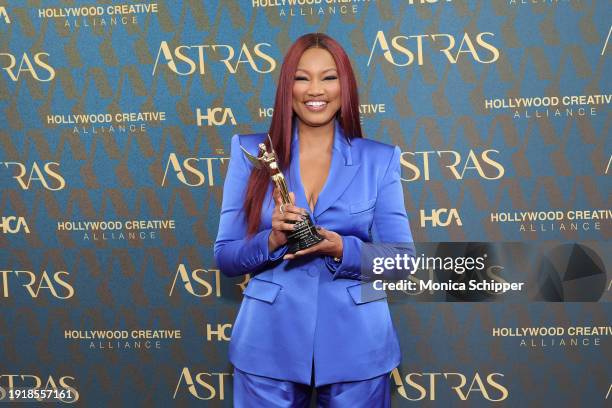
(312, 272)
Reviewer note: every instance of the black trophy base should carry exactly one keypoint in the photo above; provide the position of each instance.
(303, 236)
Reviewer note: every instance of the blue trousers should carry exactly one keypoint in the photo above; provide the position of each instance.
(253, 391)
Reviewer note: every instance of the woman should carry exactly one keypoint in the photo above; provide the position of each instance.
(308, 319)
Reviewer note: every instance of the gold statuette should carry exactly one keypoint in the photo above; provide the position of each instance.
(304, 235)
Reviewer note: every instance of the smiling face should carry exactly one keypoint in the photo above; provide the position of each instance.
(316, 88)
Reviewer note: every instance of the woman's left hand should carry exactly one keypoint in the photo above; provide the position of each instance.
(331, 245)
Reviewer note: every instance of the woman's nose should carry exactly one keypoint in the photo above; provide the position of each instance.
(315, 88)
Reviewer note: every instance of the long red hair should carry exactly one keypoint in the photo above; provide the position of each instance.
(281, 128)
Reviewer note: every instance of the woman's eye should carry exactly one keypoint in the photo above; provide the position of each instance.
(301, 78)
(330, 78)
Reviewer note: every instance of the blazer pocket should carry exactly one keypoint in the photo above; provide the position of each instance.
(262, 290)
(365, 293)
(362, 206)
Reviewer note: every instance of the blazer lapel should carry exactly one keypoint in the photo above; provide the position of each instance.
(341, 173)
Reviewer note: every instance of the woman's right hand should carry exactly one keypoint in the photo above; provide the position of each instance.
(283, 223)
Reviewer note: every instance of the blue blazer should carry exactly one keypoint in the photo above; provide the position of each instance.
(314, 309)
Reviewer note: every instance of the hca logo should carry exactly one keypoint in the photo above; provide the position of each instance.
(5, 15)
(222, 331)
(441, 217)
(13, 225)
(216, 116)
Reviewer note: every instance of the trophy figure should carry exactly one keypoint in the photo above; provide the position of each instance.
(305, 234)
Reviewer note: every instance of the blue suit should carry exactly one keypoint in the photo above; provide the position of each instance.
(313, 308)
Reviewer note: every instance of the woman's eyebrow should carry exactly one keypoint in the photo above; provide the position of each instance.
(307, 71)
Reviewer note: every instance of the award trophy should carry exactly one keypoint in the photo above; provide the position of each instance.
(304, 235)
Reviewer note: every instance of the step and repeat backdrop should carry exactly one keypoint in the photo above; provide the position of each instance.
(116, 119)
